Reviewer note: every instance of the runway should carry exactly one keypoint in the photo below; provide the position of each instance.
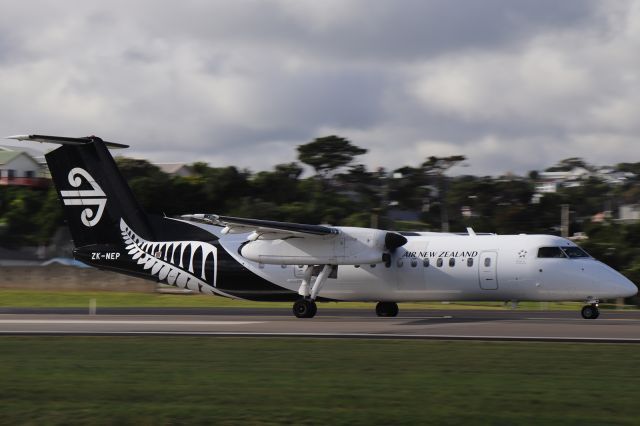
(563, 326)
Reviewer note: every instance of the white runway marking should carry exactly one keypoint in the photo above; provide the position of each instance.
(599, 320)
(129, 322)
(453, 337)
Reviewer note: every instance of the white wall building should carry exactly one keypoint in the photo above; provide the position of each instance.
(175, 169)
(21, 169)
(629, 213)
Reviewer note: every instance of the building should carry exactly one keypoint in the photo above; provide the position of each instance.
(175, 169)
(629, 213)
(612, 176)
(549, 182)
(19, 168)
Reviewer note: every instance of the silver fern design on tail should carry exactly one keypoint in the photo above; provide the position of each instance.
(166, 261)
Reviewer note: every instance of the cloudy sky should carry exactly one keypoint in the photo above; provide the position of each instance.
(514, 85)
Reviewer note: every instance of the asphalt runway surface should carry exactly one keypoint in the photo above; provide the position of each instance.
(516, 325)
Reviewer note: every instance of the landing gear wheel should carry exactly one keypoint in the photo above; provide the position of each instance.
(387, 309)
(305, 308)
(590, 312)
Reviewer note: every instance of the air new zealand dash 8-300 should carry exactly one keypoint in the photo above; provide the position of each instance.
(277, 261)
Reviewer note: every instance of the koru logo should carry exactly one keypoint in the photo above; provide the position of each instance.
(90, 197)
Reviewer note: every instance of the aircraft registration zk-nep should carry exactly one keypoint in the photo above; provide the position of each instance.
(277, 261)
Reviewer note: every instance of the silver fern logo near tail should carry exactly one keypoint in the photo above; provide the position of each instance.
(190, 265)
(94, 197)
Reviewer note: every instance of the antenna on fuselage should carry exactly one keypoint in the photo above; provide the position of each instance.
(471, 232)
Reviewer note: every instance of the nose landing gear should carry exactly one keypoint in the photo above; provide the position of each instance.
(590, 311)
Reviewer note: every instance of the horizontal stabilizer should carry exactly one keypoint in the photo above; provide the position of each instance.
(63, 140)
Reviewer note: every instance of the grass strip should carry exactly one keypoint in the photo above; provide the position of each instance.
(231, 381)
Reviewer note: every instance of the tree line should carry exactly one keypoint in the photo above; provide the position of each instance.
(342, 191)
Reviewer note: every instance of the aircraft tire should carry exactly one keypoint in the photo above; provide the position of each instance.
(305, 308)
(387, 309)
(590, 312)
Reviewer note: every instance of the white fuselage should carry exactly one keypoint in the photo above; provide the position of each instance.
(447, 267)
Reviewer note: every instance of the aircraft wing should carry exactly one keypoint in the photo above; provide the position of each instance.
(284, 243)
(263, 228)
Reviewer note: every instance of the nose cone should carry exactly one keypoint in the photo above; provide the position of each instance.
(627, 288)
(617, 285)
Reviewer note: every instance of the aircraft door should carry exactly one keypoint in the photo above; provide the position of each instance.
(487, 270)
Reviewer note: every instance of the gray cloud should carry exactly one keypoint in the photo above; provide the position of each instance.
(513, 85)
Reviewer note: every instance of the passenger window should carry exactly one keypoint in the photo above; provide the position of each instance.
(470, 262)
(487, 261)
(414, 263)
(550, 252)
(425, 262)
(439, 262)
(452, 262)
(399, 263)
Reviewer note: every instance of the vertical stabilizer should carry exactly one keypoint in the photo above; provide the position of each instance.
(94, 193)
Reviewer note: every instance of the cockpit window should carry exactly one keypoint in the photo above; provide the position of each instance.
(575, 252)
(551, 252)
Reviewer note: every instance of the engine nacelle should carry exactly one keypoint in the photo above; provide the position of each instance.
(352, 246)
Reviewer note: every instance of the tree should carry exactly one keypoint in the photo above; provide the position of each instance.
(23, 210)
(328, 153)
(629, 167)
(279, 186)
(132, 168)
(569, 164)
(437, 167)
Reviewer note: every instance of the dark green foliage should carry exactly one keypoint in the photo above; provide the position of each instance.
(629, 167)
(328, 153)
(438, 165)
(280, 185)
(569, 164)
(132, 168)
(28, 216)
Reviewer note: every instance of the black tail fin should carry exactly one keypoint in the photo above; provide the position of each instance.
(95, 195)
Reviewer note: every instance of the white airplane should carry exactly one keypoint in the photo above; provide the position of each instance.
(276, 261)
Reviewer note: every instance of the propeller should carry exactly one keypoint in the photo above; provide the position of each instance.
(393, 240)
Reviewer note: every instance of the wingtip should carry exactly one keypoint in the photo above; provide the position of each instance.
(18, 137)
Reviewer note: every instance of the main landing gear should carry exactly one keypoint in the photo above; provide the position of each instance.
(590, 311)
(306, 307)
(387, 309)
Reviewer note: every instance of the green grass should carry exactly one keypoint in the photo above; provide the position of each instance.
(71, 299)
(231, 381)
